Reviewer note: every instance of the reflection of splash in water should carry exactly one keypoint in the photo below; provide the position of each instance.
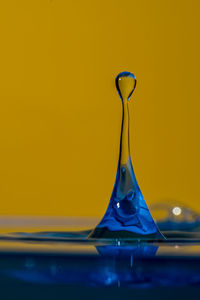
(118, 263)
(115, 266)
(132, 252)
(126, 273)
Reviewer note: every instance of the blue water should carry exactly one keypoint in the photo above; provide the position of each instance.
(112, 262)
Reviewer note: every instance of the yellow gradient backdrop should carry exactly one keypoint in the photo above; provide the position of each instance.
(60, 115)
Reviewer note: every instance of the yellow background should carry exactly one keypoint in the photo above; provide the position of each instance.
(60, 115)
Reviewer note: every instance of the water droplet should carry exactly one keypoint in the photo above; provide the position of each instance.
(125, 84)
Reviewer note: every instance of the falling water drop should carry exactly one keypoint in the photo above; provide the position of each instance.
(127, 214)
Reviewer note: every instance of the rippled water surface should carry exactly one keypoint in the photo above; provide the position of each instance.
(58, 251)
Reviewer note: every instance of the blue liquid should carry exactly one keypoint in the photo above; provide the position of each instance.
(116, 263)
(127, 214)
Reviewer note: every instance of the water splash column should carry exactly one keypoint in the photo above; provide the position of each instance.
(127, 214)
